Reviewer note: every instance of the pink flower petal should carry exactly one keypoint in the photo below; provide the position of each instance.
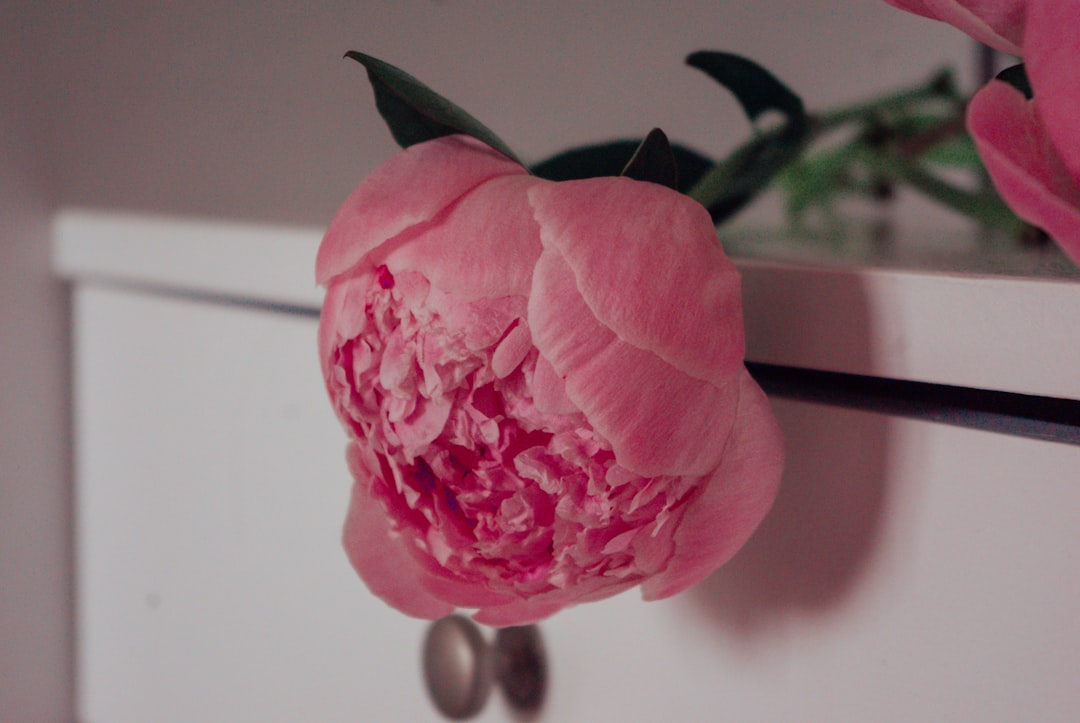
(484, 247)
(511, 351)
(648, 264)
(1024, 163)
(342, 318)
(997, 23)
(463, 593)
(436, 173)
(377, 553)
(549, 390)
(733, 502)
(1052, 62)
(330, 324)
(658, 419)
(538, 607)
(520, 612)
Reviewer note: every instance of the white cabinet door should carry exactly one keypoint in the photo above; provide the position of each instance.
(909, 571)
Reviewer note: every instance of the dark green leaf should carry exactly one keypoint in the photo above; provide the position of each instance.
(757, 89)
(736, 180)
(414, 112)
(1016, 76)
(653, 161)
(609, 159)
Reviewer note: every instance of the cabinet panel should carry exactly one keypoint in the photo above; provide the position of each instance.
(211, 488)
(909, 571)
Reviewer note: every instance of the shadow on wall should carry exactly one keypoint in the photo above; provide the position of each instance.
(816, 544)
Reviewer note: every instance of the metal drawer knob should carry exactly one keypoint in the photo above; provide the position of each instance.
(460, 667)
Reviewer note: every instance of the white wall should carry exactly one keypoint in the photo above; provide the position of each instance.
(246, 110)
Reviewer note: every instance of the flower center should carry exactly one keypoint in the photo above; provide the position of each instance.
(470, 470)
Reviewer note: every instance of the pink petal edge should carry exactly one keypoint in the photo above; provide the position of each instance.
(484, 247)
(658, 419)
(620, 237)
(734, 500)
(1024, 164)
(377, 553)
(436, 173)
(1052, 62)
(997, 23)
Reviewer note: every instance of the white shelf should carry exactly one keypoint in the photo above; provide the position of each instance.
(274, 264)
(1014, 332)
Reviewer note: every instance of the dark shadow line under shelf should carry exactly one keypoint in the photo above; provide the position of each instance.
(1023, 415)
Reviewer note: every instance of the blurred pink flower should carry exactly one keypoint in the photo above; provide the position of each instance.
(1030, 147)
(997, 23)
(542, 384)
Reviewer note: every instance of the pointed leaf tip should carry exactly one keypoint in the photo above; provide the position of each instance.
(757, 89)
(415, 113)
(610, 158)
(654, 161)
(1016, 76)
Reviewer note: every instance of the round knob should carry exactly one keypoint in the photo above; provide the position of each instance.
(458, 667)
(520, 667)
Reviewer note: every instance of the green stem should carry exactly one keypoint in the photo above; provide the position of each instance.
(737, 173)
(716, 183)
(985, 207)
(939, 86)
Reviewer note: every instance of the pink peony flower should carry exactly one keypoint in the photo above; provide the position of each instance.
(997, 23)
(542, 384)
(1032, 147)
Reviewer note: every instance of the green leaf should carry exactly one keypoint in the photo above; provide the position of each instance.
(756, 89)
(816, 181)
(736, 180)
(733, 182)
(415, 113)
(653, 161)
(1016, 76)
(984, 206)
(609, 159)
(956, 152)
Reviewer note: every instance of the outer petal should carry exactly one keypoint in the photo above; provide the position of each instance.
(521, 612)
(733, 502)
(658, 419)
(538, 607)
(377, 552)
(409, 189)
(997, 23)
(461, 593)
(1052, 62)
(484, 247)
(1024, 163)
(647, 263)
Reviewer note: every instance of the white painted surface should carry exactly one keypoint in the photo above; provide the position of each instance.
(908, 571)
(258, 262)
(1007, 332)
